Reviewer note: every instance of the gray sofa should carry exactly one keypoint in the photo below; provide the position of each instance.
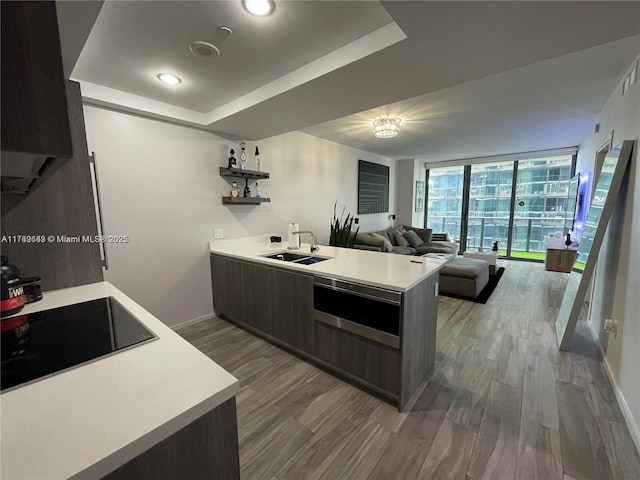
(397, 240)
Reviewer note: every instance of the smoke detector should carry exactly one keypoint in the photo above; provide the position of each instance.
(208, 50)
(204, 49)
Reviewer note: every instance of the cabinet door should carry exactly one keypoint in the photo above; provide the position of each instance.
(372, 362)
(63, 207)
(34, 105)
(257, 297)
(227, 287)
(292, 295)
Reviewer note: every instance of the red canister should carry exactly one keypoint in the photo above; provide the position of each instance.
(13, 298)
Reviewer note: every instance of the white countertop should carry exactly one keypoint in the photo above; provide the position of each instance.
(90, 420)
(384, 270)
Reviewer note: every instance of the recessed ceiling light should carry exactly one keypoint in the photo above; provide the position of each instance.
(258, 7)
(169, 79)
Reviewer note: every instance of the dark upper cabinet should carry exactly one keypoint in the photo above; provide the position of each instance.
(62, 207)
(36, 135)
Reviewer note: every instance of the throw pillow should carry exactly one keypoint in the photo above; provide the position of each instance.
(413, 238)
(423, 233)
(400, 240)
(367, 239)
(386, 244)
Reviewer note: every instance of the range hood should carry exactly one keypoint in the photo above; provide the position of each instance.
(19, 171)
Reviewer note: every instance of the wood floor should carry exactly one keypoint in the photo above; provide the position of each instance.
(503, 402)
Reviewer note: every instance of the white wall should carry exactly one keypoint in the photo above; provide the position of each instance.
(618, 269)
(160, 185)
(407, 173)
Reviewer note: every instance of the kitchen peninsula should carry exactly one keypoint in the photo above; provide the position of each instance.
(368, 317)
(160, 409)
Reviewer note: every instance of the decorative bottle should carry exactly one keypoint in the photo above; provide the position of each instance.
(257, 190)
(243, 156)
(257, 159)
(232, 160)
(247, 190)
(235, 191)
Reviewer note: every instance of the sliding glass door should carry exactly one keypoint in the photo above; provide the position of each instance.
(542, 188)
(489, 205)
(516, 203)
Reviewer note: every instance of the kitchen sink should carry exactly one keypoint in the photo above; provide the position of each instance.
(287, 256)
(311, 260)
(299, 258)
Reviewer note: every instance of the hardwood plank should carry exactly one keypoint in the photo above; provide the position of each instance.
(583, 452)
(580, 374)
(360, 453)
(539, 453)
(455, 371)
(406, 451)
(623, 457)
(539, 402)
(489, 345)
(495, 450)
(319, 411)
(601, 394)
(467, 409)
(450, 453)
(469, 403)
(325, 445)
(518, 325)
(511, 361)
(269, 453)
(389, 417)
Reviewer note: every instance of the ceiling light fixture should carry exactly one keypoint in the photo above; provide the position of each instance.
(386, 127)
(169, 79)
(261, 8)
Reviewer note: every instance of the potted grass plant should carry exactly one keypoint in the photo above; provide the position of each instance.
(341, 235)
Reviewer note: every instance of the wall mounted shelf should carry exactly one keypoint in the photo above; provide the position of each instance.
(244, 201)
(239, 173)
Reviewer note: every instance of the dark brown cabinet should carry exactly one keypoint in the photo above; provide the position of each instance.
(61, 212)
(257, 297)
(381, 340)
(293, 309)
(35, 125)
(276, 302)
(227, 287)
(377, 364)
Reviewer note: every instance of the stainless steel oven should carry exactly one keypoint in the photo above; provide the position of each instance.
(370, 312)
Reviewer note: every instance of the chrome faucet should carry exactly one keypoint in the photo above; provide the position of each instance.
(314, 247)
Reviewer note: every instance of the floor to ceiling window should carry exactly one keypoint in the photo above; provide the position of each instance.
(444, 200)
(542, 188)
(517, 214)
(489, 205)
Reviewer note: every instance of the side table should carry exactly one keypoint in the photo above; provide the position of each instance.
(560, 259)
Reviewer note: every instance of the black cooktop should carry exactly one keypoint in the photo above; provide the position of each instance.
(41, 344)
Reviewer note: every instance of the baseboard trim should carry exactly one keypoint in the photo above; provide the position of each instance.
(187, 323)
(632, 424)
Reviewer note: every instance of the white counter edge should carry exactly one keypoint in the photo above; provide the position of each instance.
(98, 462)
(229, 248)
